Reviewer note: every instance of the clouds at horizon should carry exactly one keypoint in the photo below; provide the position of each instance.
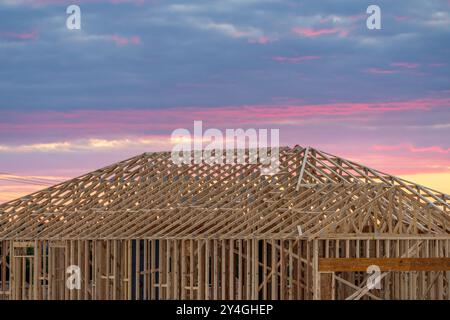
(140, 69)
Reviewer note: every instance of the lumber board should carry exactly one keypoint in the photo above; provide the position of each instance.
(385, 264)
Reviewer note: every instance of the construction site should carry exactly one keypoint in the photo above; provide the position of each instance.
(148, 229)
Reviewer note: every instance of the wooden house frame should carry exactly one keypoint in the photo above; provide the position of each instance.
(145, 228)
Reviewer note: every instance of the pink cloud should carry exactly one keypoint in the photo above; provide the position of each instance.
(294, 59)
(401, 18)
(261, 40)
(123, 41)
(406, 158)
(31, 35)
(67, 2)
(82, 123)
(411, 148)
(403, 163)
(407, 65)
(313, 33)
(380, 71)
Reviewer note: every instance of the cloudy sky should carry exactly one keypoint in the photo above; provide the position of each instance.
(72, 101)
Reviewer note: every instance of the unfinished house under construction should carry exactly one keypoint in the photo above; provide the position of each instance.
(146, 228)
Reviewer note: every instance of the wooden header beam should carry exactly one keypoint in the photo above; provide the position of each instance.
(385, 264)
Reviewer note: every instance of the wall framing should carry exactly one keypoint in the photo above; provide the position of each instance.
(234, 269)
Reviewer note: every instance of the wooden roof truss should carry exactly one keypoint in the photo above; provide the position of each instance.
(149, 197)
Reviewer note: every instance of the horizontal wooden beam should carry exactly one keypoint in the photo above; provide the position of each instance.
(23, 244)
(385, 264)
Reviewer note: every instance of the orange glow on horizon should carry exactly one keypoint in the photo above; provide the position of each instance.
(436, 181)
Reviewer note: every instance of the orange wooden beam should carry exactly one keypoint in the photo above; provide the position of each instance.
(385, 264)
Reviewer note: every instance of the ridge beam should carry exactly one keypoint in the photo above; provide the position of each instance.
(302, 170)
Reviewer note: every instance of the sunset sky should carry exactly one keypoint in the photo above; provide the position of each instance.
(72, 101)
